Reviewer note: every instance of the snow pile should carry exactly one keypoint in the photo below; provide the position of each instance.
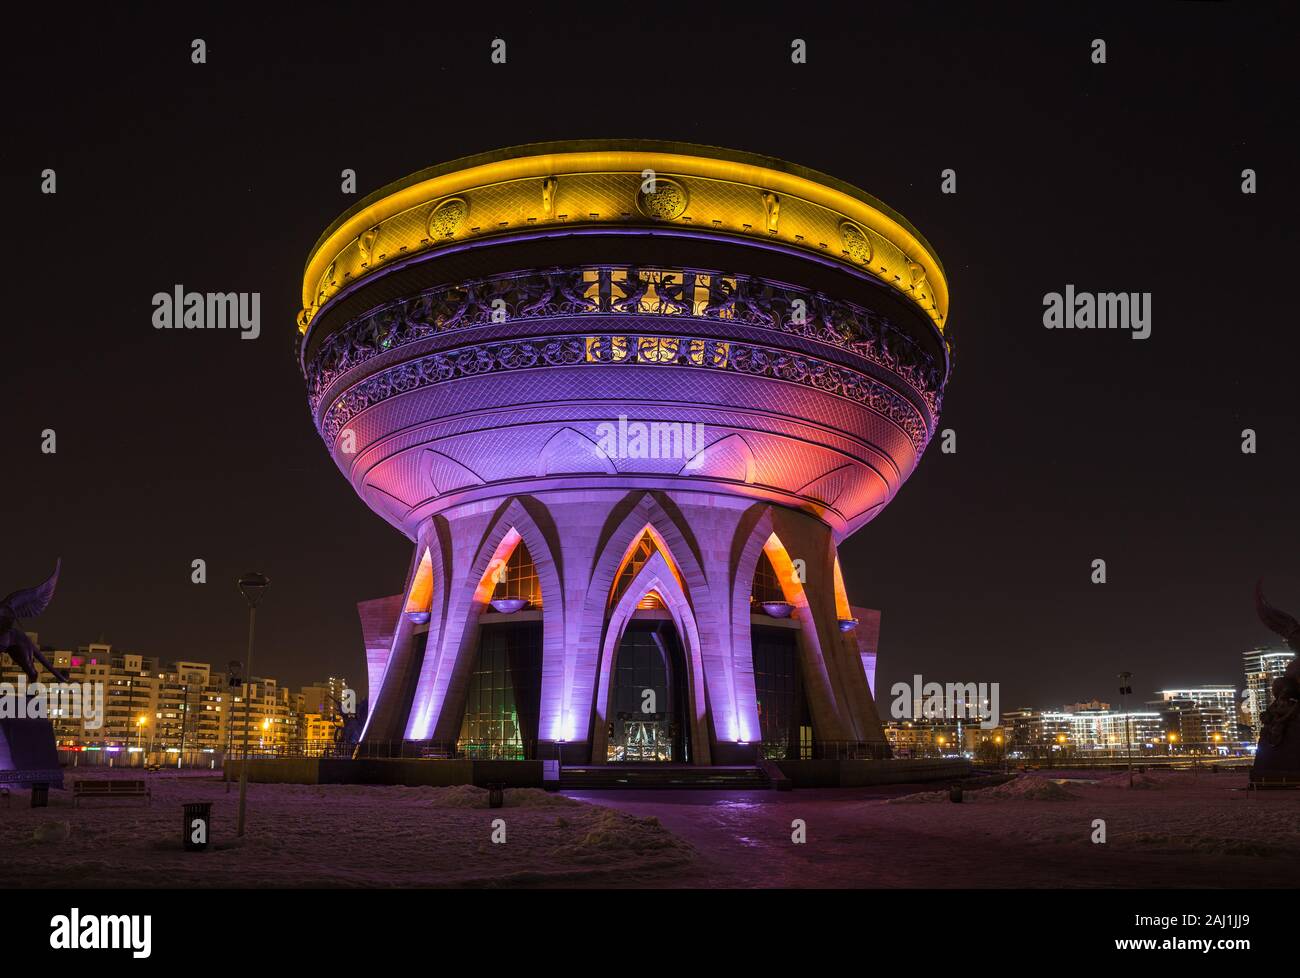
(610, 834)
(468, 796)
(1167, 844)
(1022, 788)
(920, 798)
(426, 796)
(337, 835)
(1027, 789)
(1160, 779)
(454, 796)
(52, 832)
(537, 798)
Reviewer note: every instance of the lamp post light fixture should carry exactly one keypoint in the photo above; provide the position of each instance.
(1124, 690)
(252, 586)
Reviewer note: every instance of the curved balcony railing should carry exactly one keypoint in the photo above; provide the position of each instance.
(673, 294)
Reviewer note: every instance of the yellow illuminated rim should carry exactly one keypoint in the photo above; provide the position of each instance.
(589, 187)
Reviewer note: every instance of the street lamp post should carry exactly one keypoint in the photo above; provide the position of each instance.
(252, 587)
(1124, 690)
(185, 713)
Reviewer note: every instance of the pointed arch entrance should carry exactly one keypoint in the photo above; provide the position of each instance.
(782, 624)
(648, 719)
(503, 691)
(650, 702)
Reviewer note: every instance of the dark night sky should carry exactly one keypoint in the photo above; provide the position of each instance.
(1071, 445)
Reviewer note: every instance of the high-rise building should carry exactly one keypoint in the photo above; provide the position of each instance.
(1200, 717)
(1262, 666)
(1089, 729)
(182, 708)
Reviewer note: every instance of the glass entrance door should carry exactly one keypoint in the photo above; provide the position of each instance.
(646, 740)
(647, 719)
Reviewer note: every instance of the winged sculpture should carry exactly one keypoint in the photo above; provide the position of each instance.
(1284, 710)
(27, 603)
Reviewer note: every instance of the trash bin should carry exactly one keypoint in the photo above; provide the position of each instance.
(40, 794)
(496, 794)
(197, 826)
(954, 793)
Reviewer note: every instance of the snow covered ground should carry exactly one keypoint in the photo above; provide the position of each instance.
(328, 835)
(1173, 829)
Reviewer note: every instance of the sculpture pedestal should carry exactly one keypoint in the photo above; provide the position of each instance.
(27, 753)
(1278, 756)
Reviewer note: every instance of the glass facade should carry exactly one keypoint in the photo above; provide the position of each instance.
(501, 703)
(644, 549)
(518, 578)
(647, 707)
(766, 586)
(782, 708)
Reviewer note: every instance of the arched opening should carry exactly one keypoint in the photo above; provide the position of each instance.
(636, 558)
(516, 579)
(784, 719)
(766, 588)
(391, 672)
(504, 694)
(842, 609)
(648, 712)
(504, 686)
(650, 704)
(419, 600)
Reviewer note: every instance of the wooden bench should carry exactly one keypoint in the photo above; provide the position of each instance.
(106, 788)
(1266, 782)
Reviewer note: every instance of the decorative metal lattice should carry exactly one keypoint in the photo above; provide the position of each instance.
(680, 294)
(567, 351)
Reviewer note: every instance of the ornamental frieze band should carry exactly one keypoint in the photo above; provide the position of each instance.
(568, 351)
(687, 294)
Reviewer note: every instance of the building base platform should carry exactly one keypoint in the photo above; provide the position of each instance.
(414, 772)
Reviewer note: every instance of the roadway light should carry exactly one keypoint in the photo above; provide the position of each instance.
(252, 586)
(1126, 689)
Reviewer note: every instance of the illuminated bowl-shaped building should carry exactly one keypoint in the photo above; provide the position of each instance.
(625, 398)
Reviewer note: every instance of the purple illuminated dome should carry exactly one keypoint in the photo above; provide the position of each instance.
(623, 397)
